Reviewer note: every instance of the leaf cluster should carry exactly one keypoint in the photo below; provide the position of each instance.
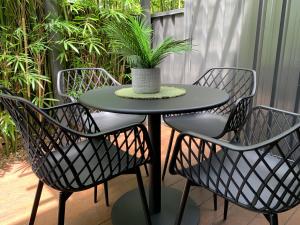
(79, 34)
(24, 44)
(132, 38)
(28, 34)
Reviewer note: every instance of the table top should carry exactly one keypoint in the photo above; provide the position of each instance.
(196, 98)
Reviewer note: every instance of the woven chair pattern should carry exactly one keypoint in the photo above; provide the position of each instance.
(258, 169)
(239, 84)
(236, 82)
(66, 150)
(72, 83)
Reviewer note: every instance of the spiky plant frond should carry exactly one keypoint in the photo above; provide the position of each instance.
(132, 39)
(167, 47)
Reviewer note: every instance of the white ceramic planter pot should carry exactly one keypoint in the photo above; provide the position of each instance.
(146, 81)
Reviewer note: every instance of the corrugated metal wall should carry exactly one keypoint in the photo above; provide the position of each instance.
(279, 61)
(170, 25)
(260, 34)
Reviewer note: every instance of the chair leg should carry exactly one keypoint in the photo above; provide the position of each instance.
(183, 202)
(146, 170)
(225, 209)
(215, 196)
(36, 202)
(267, 216)
(168, 154)
(143, 196)
(95, 194)
(106, 193)
(273, 219)
(215, 202)
(63, 197)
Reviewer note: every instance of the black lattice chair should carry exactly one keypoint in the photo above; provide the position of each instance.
(240, 84)
(68, 152)
(258, 169)
(71, 83)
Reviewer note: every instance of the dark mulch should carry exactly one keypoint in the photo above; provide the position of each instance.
(18, 156)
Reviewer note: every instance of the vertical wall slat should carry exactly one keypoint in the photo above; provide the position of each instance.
(170, 25)
(229, 33)
(288, 75)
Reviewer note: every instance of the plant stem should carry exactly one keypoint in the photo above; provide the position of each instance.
(26, 49)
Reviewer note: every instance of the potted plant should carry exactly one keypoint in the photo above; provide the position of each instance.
(132, 39)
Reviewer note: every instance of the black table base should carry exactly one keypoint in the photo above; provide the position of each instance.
(128, 209)
(163, 203)
(154, 128)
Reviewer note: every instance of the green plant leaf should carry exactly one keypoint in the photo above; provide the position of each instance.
(131, 38)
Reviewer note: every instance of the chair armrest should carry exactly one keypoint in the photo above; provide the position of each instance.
(68, 98)
(64, 106)
(238, 114)
(192, 148)
(191, 142)
(77, 120)
(215, 144)
(133, 139)
(74, 116)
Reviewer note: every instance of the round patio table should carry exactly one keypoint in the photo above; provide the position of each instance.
(163, 201)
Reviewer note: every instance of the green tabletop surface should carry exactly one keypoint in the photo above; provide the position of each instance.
(165, 92)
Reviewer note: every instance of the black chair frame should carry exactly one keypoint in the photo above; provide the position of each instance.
(236, 108)
(67, 151)
(257, 170)
(71, 83)
(241, 90)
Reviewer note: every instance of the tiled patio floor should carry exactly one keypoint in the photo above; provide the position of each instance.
(18, 185)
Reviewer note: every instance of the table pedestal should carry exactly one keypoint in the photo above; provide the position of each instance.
(154, 130)
(163, 202)
(128, 209)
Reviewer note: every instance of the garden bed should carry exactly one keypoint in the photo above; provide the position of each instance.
(14, 157)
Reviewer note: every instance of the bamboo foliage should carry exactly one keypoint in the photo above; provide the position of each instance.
(83, 42)
(23, 48)
(165, 5)
(27, 38)
(156, 5)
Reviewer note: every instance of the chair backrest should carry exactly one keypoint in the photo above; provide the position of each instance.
(266, 124)
(259, 169)
(45, 139)
(273, 137)
(71, 83)
(240, 84)
(237, 82)
(66, 150)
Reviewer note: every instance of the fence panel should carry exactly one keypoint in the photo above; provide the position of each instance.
(170, 24)
(259, 34)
